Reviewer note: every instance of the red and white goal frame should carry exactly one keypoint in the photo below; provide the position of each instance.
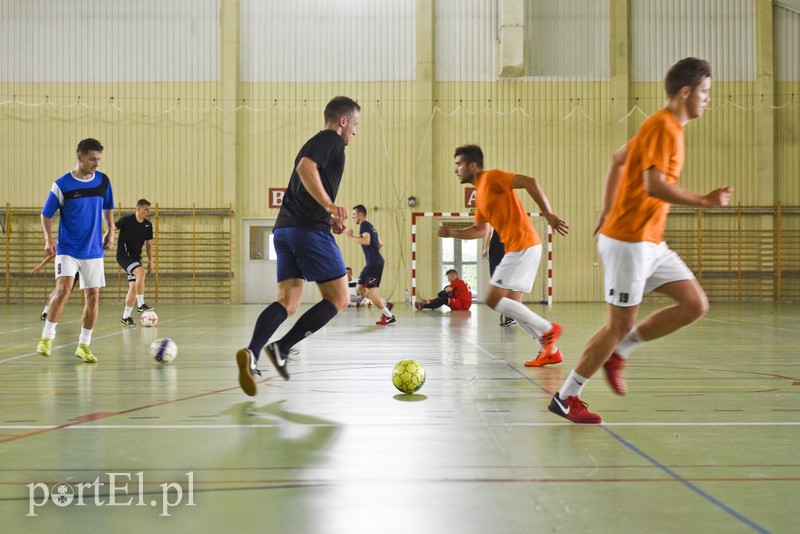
(467, 215)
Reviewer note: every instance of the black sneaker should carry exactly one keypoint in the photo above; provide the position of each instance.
(43, 316)
(143, 307)
(247, 371)
(278, 359)
(127, 321)
(389, 305)
(507, 321)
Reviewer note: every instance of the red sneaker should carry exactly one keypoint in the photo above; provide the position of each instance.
(574, 409)
(386, 320)
(541, 360)
(550, 337)
(613, 368)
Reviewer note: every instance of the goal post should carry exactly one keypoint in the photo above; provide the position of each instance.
(424, 233)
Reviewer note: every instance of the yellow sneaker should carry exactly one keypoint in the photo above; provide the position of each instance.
(45, 346)
(84, 353)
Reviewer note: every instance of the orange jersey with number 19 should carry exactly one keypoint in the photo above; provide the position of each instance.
(636, 216)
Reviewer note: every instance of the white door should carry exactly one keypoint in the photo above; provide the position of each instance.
(260, 273)
(464, 256)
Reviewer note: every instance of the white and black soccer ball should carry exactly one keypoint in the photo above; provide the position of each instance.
(163, 350)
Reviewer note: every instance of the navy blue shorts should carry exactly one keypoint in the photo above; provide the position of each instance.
(371, 276)
(130, 265)
(309, 254)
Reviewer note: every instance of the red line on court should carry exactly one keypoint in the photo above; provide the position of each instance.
(81, 419)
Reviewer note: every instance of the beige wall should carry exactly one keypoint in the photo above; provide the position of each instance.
(227, 141)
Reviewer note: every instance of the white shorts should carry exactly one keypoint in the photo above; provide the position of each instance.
(92, 271)
(633, 269)
(517, 270)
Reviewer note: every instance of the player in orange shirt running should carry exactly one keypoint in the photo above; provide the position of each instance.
(498, 205)
(641, 184)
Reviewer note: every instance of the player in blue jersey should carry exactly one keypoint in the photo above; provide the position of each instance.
(370, 278)
(304, 244)
(84, 199)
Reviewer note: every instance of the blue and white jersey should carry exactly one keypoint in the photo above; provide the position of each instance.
(81, 202)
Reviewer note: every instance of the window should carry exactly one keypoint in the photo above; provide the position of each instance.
(261, 244)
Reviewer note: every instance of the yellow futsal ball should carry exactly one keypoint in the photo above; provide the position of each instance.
(408, 376)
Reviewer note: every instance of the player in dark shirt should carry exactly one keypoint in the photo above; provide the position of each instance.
(135, 231)
(305, 246)
(494, 250)
(370, 278)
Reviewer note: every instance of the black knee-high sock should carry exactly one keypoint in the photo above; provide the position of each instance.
(266, 324)
(308, 323)
(436, 303)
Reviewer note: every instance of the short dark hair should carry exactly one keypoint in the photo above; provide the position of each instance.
(688, 71)
(142, 202)
(339, 106)
(360, 209)
(89, 145)
(471, 154)
(452, 271)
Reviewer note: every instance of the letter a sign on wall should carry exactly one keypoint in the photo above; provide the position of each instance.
(276, 196)
(469, 197)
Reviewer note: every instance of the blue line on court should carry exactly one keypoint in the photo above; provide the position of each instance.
(716, 502)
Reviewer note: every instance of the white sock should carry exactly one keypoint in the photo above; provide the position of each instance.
(385, 311)
(86, 336)
(572, 386)
(533, 324)
(49, 330)
(44, 310)
(127, 312)
(629, 343)
(140, 300)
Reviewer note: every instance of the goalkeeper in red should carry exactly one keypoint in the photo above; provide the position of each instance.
(457, 295)
(498, 206)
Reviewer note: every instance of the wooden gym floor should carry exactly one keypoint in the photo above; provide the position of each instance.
(705, 441)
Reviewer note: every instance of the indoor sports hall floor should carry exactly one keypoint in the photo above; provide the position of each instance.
(706, 440)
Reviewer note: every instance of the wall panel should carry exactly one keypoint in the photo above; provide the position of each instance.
(722, 31)
(331, 41)
(153, 96)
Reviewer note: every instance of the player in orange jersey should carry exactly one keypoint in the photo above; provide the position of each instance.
(498, 205)
(641, 184)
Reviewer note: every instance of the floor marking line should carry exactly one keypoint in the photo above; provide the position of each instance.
(225, 426)
(707, 496)
(750, 323)
(93, 339)
(80, 420)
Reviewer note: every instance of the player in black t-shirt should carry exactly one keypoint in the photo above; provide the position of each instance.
(135, 231)
(305, 246)
(370, 278)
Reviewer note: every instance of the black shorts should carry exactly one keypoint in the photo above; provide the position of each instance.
(496, 252)
(371, 276)
(129, 265)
